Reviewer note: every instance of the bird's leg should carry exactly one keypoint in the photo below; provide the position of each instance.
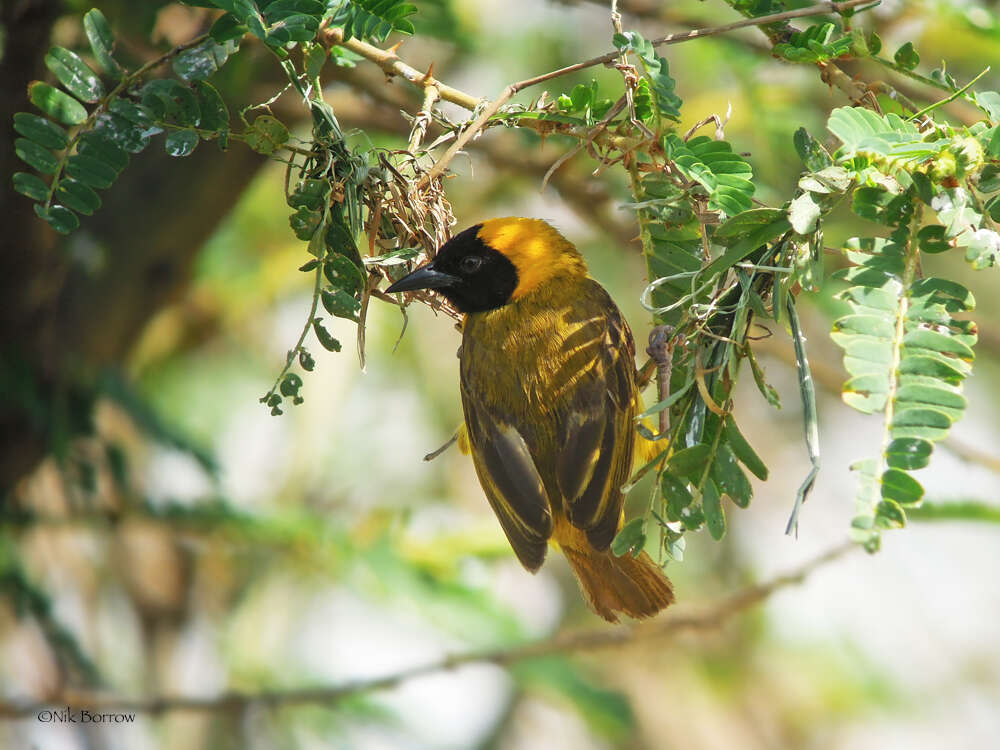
(435, 453)
(661, 352)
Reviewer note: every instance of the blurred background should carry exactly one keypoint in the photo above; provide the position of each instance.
(162, 534)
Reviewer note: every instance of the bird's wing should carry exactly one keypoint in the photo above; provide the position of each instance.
(597, 434)
(510, 480)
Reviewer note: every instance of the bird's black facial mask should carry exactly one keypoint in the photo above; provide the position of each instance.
(467, 272)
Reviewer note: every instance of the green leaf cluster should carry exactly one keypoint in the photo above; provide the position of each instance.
(656, 71)
(122, 122)
(817, 43)
(724, 174)
(907, 346)
(373, 19)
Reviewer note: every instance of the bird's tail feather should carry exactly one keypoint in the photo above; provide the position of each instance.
(635, 586)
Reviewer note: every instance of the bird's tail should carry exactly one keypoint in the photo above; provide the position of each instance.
(635, 586)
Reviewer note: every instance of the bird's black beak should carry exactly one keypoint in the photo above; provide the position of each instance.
(425, 277)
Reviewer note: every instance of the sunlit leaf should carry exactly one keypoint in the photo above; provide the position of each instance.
(74, 74)
(102, 41)
(56, 104)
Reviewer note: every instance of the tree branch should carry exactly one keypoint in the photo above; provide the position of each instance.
(667, 626)
(390, 62)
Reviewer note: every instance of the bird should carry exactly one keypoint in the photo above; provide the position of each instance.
(549, 394)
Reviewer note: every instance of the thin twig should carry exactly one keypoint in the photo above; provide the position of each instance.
(598, 129)
(670, 625)
(931, 107)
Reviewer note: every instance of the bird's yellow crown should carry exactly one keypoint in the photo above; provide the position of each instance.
(537, 250)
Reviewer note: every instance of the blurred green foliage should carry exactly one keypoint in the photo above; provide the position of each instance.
(249, 524)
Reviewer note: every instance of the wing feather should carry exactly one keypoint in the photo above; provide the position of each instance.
(511, 481)
(597, 433)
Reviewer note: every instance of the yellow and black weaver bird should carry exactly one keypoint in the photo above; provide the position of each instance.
(548, 382)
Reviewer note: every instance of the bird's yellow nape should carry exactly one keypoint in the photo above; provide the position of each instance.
(537, 250)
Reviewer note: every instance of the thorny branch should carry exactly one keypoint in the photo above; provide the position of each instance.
(668, 626)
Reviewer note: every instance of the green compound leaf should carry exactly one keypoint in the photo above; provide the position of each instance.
(305, 223)
(729, 477)
(631, 539)
(306, 360)
(266, 135)
(203, 61)
(339, 303)
(715, 514)
(290, 385)
(91, 171)
(43, 132)
(933, 239)
(126, 135)
(311, 194)
(724, 174)
(30, 185)
(907, 356)
(227, 28)
(327, 341)
(181, 142)
(56, 104)
(676, 494)
(341, 272)
(657, 72)
(812, 153)
(374, 19)
(74, 75)
(906, 57)
(689, 462)
(98, 146)
(214, 112)
(741, 448)
(77, 196)
(140, 116)
(59, 218)
(908, 453)
(804, 213)
(889, 515)
(171, 102)
(815, 44)
(102, 42)
(899, 486)
(35, 156)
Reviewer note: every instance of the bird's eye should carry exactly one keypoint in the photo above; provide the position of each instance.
(470, 263)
